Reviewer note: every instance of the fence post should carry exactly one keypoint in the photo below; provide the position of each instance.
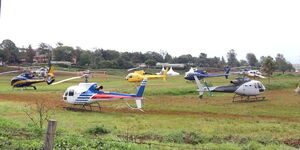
(49, 140)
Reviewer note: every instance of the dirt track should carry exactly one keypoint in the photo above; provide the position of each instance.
(54, 100)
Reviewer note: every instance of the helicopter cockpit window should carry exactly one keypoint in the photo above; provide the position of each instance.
(259, 86)
(66, 94)
(255, 85)
(71, 93)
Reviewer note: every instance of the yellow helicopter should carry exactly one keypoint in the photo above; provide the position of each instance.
(140, 75)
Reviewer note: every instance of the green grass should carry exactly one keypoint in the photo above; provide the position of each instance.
(173, 116)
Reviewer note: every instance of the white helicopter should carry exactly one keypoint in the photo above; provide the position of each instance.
(244, 88)
(249, 73)
(86, 94)
(40, 71)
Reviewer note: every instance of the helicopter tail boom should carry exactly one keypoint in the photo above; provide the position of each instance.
(165, 74)
(226, 70)
(141, 90)
(50, 77)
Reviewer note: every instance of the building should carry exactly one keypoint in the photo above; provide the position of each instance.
(297, 67)
(178, 66)
(40, 58)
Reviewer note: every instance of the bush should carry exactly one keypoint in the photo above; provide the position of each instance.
(98, 130)
(253, 146)
(186, 137)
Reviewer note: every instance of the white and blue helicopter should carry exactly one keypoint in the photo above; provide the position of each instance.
(86, 94)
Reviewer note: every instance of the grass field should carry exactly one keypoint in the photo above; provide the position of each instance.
(173, 117)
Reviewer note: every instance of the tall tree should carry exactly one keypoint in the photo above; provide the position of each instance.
(10, 51)
(251, 59)
(30, 53)
(85, 58)
(168, 58)
(244, 63)
(150, 62)
(202, 60)
(231, 59)
(110, 54)
(185, 59)
(281, 63)
(45, 49)
(269, 66)
(63, 53)
(222, 63)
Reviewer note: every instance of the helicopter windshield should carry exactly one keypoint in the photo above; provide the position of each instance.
(26, 75)
(71, 93)
(129, 76)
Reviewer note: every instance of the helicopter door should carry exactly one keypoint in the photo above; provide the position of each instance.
(70, 96)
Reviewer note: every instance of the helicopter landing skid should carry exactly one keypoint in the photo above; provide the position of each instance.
(83, 107)
(134, 108)
(247, 98)
(25, 87)
(91, 106)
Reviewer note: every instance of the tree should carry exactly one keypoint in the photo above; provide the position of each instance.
(269, 66)
(231, 59)
(138, 57)
(213, 62)
(10, 52)
(110, 54)
(222, 63)
(244, 63)
(202, 60)
(281, 63)
(168, 58)
(150, 62)
(45, 49)
(85, 58)
(30, 53)
(185, 59)
(63, 53)
(251, 59)
(154, 55)
(290, 67)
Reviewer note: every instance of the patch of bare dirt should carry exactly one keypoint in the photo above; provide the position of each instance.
(55, 100)
(292, 142)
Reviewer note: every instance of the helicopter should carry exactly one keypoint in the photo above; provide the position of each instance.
(86, 94)
(244, 88)
(249, 72)
(40, 71)
(138, 76)
(197, 75)
(27, 79)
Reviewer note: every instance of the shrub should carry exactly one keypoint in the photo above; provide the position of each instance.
(98, 130)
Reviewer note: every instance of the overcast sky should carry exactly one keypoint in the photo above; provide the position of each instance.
(263, 27)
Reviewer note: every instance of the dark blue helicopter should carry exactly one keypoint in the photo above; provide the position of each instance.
(201, 74)
(27, 79)
(197, 75)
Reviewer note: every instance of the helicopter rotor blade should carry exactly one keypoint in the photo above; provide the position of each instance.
(263, 77)
(7, 72)
(66, 80)
(133, 69)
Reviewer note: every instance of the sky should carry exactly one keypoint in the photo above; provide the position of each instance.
(262, 27)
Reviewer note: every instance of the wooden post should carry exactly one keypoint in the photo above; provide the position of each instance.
(49, 140)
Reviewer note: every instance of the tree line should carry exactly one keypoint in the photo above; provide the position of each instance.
(100, 58)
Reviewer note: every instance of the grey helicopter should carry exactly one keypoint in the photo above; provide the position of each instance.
(242, 87)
